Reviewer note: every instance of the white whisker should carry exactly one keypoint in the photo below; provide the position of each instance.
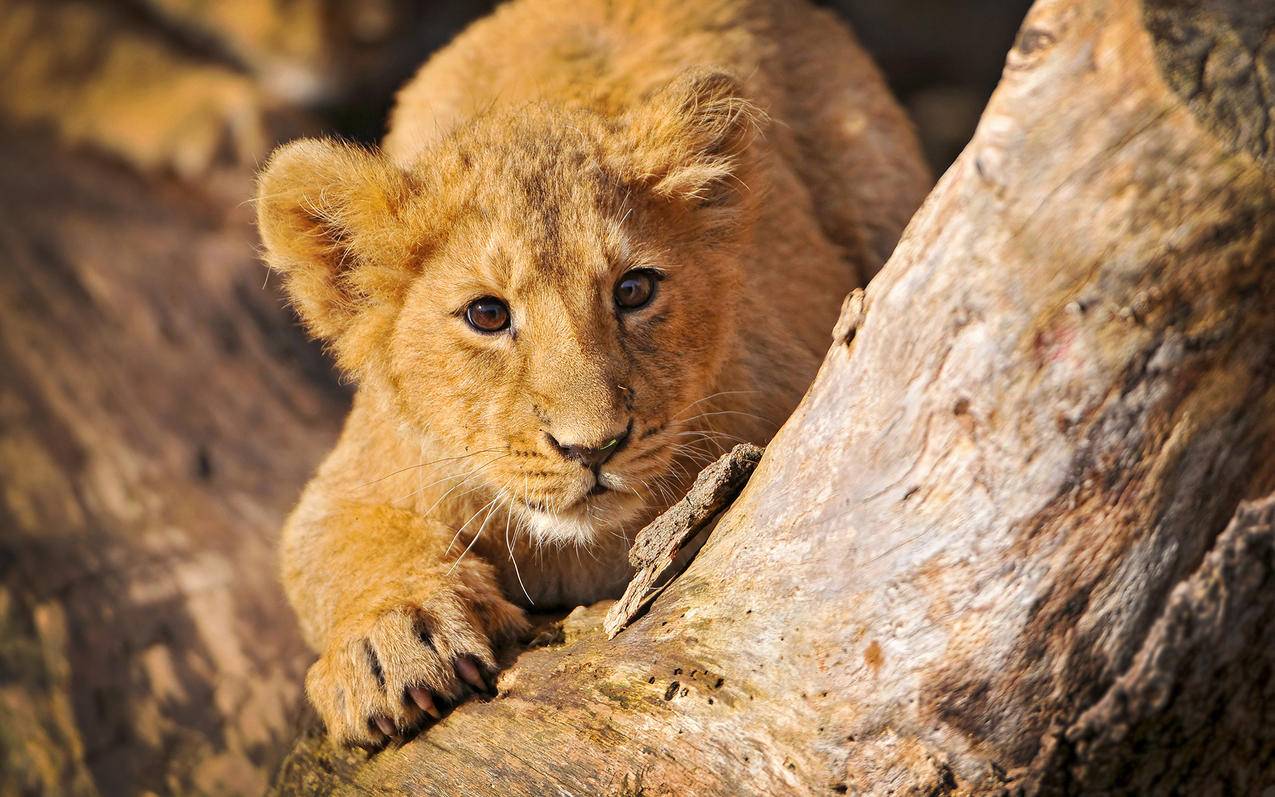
(426, 465)
(454, 487)
(510, 546)
(477, 534)
(710, 397)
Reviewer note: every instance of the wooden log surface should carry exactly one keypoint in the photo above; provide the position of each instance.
(1193, 710)
(988, 549)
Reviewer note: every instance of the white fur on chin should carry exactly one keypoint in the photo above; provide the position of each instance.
(583, 524)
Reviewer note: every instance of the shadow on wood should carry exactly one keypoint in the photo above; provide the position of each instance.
(158, 413)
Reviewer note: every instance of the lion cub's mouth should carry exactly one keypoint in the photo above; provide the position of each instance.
(583, 503)
(594, 515)
(608, 491)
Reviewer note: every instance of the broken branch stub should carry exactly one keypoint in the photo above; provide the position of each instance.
(655, 552)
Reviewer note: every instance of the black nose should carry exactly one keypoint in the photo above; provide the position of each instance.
(591, 457)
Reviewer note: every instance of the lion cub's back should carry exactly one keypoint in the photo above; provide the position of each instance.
(592, 53)
(858, 154)
(839, 127)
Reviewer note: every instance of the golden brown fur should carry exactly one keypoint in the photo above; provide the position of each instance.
(744, 148)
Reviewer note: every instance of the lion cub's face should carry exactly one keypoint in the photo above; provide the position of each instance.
(546, 294)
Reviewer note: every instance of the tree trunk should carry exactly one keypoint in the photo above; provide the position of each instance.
(158, 414)
(990, 551)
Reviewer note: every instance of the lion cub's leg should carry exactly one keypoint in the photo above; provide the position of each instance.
(400, 626)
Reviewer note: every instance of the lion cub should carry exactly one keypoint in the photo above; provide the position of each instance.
(605, 240)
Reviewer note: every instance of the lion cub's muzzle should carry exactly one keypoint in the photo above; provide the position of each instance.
(592, 454)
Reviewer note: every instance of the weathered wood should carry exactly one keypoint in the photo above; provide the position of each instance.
(656, 553)
(989, 524)
(1206, 672)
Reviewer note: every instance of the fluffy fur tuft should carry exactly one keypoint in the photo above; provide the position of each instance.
(694, 136)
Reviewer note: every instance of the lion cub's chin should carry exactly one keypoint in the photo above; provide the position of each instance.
(598, 518)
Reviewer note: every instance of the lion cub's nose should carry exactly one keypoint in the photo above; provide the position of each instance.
(589, 456)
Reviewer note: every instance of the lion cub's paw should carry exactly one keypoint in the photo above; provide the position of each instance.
(386, 672)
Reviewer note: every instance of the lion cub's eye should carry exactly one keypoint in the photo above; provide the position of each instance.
(635, 289)
(487, 315)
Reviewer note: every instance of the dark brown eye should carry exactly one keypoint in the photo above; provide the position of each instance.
(487, 315)
(635, 289)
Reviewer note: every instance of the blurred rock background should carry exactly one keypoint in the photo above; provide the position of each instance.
(159, 411)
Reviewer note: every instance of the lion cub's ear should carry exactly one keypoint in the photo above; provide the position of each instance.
(330, 215)
(691, 141)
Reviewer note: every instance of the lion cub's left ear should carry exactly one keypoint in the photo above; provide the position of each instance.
(691, 140)
(331, 217)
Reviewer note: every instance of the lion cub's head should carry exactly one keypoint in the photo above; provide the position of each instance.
(548, 288)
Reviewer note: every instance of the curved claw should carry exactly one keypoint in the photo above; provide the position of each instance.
(469, 672)
(422, 698)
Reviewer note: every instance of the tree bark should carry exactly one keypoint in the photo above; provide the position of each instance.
(990, 551)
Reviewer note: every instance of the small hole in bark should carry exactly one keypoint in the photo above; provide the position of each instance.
(841, 788)
(1033, 39)
(203, 463)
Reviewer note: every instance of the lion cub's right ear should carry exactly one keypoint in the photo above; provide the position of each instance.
(691, 140)
(331, 218)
